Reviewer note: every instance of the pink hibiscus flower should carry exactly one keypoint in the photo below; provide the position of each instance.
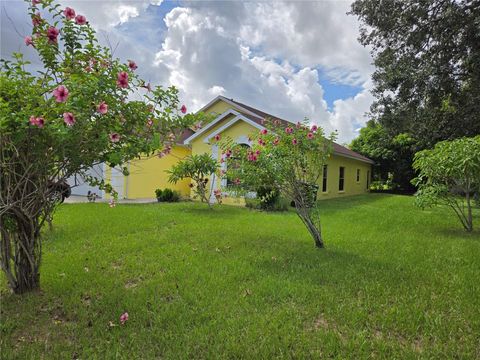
(183, 109)
(264, 132)
(28, 40)
(114, 137)
(132, 65)
(294, 141)
(314, 128)
(69, 13)
(276, 141)
(122, 79)
(37, 121)
(52, 34)
(102, 108)
(61, 93)
(80, 20)
(288, 130)
(68, 118)
(310, 135)
(36, 2)
(217, 137)
(36, 19)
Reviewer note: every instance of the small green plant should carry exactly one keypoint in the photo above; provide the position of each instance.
(449, 174)
(384, 185)
(197, 168)
(267, 197)
(167, 195)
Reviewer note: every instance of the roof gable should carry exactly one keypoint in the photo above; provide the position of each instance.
(237, 116)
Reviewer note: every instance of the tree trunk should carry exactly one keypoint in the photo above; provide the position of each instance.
(28, 276)
(20, 258)
(469, 219)
(315, 231)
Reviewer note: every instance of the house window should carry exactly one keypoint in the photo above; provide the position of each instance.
(341, 179)
(358, 175)
(324, 179)
(233, 162)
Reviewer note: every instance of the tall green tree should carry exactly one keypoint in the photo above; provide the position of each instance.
(391, 154)
(427, 66)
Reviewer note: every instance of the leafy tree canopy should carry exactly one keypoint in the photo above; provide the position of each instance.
(427, 66)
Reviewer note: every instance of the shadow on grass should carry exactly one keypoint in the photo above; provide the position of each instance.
(334, 267)
(458, 233)
(332, 206)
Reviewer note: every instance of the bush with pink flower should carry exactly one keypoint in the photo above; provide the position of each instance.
(76, 113)
(285, 158)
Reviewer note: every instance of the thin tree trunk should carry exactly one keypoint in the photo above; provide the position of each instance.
(469, 219)
(315, 231)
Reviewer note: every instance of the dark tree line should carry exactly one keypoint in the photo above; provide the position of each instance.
(427, 76)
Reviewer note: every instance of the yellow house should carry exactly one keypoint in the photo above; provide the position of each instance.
(346, 172)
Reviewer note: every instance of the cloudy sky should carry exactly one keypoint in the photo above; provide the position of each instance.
(292, 59)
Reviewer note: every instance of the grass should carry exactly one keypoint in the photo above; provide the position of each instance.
(393, 282)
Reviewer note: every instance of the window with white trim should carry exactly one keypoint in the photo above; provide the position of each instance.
(233, 162)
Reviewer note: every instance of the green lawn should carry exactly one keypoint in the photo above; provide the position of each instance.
(393, 282)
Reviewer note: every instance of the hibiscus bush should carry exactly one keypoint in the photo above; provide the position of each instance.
(284, 158)
(83, 108)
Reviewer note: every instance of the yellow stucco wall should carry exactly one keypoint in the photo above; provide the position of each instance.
(148, 174)
(218, 108)
(351, 186)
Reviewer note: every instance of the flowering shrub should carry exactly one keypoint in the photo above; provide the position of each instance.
(287, 158)
(75, 113)
(197, 168)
